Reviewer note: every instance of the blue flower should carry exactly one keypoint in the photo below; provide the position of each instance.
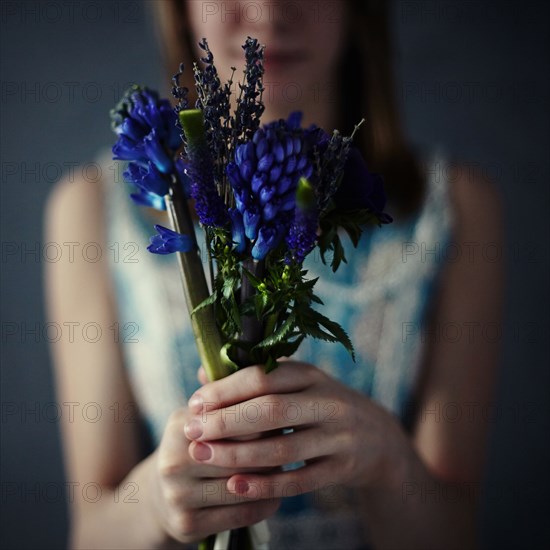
(237, 230)
(361, 189)
(168, 241)
(269, 237)
(302, 235)
(146, 129)
(264, 176)
(153, 185)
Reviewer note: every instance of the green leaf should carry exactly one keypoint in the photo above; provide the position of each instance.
(339, 255)
(354, 232)
(280, 334)
(235, 314)
(270, 364)
(317, 300)
(211, 300)
(335, 329)
(225, 355)
(254, 281)
(263, 305)
(229, 286)
(309, 283)
(314, 330)
(287, 349)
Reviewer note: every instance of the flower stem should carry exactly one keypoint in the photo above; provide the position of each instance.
(270, 324)
(240, 539)
(195, 288)
(253, 329)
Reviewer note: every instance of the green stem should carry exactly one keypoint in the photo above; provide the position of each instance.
(270, 324)
(252, 327)
(195, 288)
(204, 323)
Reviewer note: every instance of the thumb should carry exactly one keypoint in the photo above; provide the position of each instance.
(201, 375)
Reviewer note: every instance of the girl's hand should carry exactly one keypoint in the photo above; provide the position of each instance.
(190, 498)
(343, 436)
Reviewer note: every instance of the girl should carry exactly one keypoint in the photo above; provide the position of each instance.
(394, 445)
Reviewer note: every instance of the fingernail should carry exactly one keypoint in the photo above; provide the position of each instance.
(202, 452)
(241, 487)
(193, 429)
(195, 403)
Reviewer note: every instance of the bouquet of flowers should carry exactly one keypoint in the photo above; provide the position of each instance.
(266, 197)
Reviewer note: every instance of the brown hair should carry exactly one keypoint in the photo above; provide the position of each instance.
(366, 81)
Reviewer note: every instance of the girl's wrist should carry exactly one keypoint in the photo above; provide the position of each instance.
(150, 517)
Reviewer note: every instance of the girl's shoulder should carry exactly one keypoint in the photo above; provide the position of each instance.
(461, 196)
(74, 208)
(475, 198)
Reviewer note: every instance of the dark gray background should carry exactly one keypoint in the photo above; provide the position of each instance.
(473, 80)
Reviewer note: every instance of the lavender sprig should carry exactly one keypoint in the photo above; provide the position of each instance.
(250, 106)
(214, 100)
(208, 203)
(181, 94)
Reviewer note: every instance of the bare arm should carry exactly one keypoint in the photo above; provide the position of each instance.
(103, 452)
(432, 500)
(156, 503)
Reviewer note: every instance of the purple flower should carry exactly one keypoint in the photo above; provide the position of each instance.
(269, 237)
(237, 230)
(264, 177)
(361, 189)
(146, 129)
(152, 185)
(302, 235)
(209, 205)
(249, 104)
(168, 241)
(214, 102)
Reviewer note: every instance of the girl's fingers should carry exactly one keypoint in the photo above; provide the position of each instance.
(267, 452)
(314, 476)
(205, 493)
(173, 459)
(289, 376)
(201, 375)
(205, 521)
(262, 414)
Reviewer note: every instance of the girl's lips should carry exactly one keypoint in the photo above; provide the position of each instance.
(278, 60)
